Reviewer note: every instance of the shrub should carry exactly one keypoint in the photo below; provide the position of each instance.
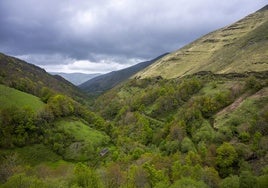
(244, 136)
(230, 182)
(247, 180)
(226, 158)
(188, 183)
(252, 83)
(187, 145)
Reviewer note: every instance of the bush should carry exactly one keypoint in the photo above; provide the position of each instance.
(211, 177)
(230, 182)
(263, 181)
(226, 158)
(244, 136)
(247, 180)
(188, 183)
(252, 83)
(187, 145)
(84, 176)
(21, 180)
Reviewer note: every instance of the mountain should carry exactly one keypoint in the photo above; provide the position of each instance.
(240, 47)
(207, 128)
(32, 79)
(44, 117)
(197, 117)
(75, 78)
(107, 81)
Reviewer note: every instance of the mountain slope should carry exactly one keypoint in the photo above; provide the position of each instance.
(11, 97)
(75, 78)
(32, 79)
(240, 47)
(108, 81)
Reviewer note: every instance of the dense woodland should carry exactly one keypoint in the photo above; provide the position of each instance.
(156, 133)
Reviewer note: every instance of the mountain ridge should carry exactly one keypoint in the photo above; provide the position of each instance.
(107, 81)
(228, 49)
(32, 79)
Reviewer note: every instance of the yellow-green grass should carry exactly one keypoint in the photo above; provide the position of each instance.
(240, 47)
(222, 86)
(86, 140)
(13, 97)
(82, 132)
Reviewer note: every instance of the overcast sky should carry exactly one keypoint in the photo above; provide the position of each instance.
(98, 36)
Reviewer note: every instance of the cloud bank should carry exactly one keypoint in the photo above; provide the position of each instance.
(105, 35)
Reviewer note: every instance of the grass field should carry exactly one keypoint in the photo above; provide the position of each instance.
(86, 140)
(12, 97)
(82, 132)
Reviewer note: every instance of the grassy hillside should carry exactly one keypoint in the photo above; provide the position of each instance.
(86, 142)
(29, 78)
(240, 47)
(12, 97)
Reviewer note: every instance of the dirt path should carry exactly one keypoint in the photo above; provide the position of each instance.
(262, 93)
(233, 106)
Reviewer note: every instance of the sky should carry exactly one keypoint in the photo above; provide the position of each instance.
(99, 36)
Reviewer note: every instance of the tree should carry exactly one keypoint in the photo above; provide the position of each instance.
(252, 83)
(137, 177)
(114, 177)
(46, 93)
(61, 105)
(154, 176)
(263, 181)
(8, 164)
(188, 183)
(230, 182)
(84, 176)
(187, 145)
(226, 158)
(247, 180)
(211, 177)
(177, 132)
(21, 180)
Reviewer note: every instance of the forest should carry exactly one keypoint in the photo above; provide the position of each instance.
(203, 130)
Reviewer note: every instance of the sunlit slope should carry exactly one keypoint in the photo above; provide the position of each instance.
(11, 97)
(240, 47)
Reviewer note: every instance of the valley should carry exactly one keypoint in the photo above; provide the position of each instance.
(197, 117)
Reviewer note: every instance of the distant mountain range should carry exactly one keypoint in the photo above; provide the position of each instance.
(107, 81)
(76, 78)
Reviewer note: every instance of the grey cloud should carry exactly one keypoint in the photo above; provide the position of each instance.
(67, 30)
